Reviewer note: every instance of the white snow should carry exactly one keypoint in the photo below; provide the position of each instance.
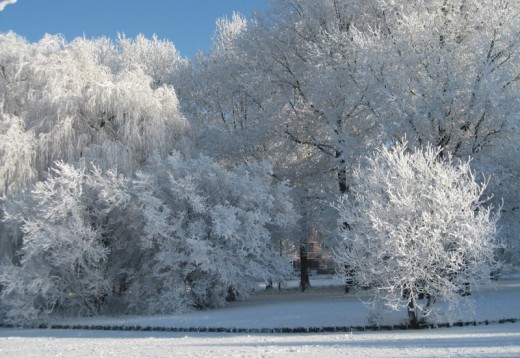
(320, 306)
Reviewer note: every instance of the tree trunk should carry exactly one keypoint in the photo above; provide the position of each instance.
(342, 175)
(349, 281)
(412, 313)
(304, 268)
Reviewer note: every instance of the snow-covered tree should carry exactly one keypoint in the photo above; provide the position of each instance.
(223, 100)
(90, 101)
(238, 111)
(207, 233)
(84, 102)
(179, 234)
(17, 152)
(107, 111)
(62, 257)
(158, 59)
(315, 84)
(417, 228)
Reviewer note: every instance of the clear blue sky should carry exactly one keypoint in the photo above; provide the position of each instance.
(189, 24)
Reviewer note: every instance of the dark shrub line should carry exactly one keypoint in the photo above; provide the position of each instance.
(325, 329)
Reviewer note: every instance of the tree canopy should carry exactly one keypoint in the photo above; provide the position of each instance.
(417, 228)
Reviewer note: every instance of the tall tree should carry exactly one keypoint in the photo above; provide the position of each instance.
(78, 101)
(332, 79)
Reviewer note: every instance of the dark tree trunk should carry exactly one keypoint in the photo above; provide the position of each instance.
(342, 180)
(412, 314)
(304, 268)
(342, 175)
(231, 294)
(349, 280)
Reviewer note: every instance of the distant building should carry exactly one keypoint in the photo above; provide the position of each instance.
(319, 256)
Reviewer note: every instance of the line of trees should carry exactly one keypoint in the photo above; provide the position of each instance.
(317, 85)
(157, 164)
(106, 201)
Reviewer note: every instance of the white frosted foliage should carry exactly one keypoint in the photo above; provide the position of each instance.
(417, 229)
(209, 230)
(83, 102)
(62, 257)
(17, 150)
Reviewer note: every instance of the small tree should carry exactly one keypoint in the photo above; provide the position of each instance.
(417, 230)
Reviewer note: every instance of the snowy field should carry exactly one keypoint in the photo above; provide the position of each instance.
(321, 306)
(484, 341)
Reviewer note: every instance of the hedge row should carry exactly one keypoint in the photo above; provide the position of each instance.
(326, 329)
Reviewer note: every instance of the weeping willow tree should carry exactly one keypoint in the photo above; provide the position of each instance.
(84, 101)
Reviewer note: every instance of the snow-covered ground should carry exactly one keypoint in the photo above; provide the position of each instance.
(483, 341)
(323, 306)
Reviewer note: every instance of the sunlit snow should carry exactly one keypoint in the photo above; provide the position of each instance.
(323, 305)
